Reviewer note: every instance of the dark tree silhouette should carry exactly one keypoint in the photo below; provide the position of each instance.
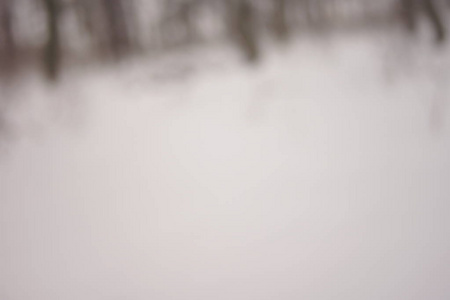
(185, 14)
(117, 27)
(431, 11)
(85, 11)
(408, 12)
(279, 20)
(243, 28)
(7, 40)
(52, 55)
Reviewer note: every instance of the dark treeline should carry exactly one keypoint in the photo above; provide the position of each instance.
(50, 30)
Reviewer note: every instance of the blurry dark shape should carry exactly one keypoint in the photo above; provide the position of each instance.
(412, 9)
(177, 25)
(313, 11)
(7, 39)
(52, 55)
(86, 13)
(243, 28)
(408, 12)
(117, 27)
(279, 20)
(430, 9)
(185, 13)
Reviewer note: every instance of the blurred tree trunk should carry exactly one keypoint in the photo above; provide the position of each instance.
(85, 10)
(186, 13)
(244, 31)
(116, 26)
(7, 44)
(410, 10)
(307, 7)
(167, 27)
(408, 13)
(431, 11)
(7, 40)
(279, 20)
(52, 56)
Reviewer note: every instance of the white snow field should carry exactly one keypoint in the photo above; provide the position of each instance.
(323, 173)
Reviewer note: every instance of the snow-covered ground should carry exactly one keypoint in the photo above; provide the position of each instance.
(323, 173)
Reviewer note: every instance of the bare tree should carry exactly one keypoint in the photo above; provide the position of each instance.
(186, 13)
(279, 20)
(7, 40)
(52, 55)
(85, 10)
(242, 20)
(431, 11)
(116, 27)
(408, 13)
